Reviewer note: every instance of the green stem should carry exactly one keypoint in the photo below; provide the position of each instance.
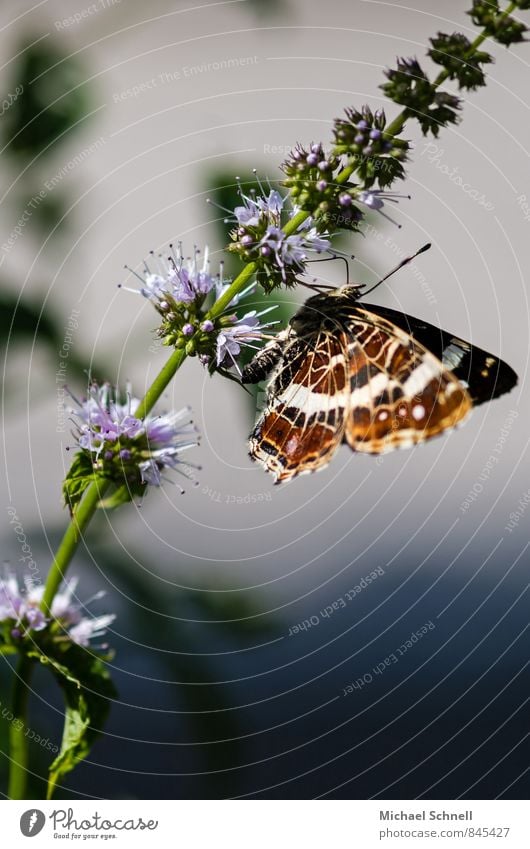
(18, 742)
(86, 509)
(71, 539)
(160, 382)
(234, 289)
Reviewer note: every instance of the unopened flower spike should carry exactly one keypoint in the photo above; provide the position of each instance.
(503, 28)
(410, 86)
(310, 174)
(130, 453)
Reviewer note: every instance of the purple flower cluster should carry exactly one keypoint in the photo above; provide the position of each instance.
(254, 208)
(181, 290)
(124, 446)
(20, 610)
(260, 237)
(182, 279)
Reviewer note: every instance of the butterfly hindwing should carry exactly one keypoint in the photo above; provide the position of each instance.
(303, 423)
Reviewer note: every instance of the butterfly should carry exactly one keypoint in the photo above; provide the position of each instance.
(370, 376)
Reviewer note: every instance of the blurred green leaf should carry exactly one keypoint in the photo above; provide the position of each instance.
(232, 611)
(21, 321)
(52, 100)
(18, 318)
(49, 212)
(268, 8)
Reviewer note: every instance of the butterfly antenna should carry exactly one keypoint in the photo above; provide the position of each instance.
(331, 258)
(401, 264)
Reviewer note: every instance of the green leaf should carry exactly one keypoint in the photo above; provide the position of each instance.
(80, 476)
(6, 640)
(87, 688)
(59, 668)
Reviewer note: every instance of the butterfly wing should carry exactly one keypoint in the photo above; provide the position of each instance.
(401, 393)
(485, 376)
(303, 423)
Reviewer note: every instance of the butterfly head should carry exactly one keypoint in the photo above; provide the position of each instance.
(322, 307)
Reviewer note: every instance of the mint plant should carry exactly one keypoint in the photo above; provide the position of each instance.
(123, 449)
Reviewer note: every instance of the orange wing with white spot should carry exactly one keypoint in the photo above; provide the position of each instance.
(400, 393)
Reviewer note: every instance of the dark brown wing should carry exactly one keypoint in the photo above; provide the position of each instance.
(303, 423)
(484, 375)
(401, 394)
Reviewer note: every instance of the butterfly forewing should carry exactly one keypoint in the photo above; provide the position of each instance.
(401, 394)
(303, 423)
(485, 376)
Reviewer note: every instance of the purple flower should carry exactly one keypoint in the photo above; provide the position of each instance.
(184, 279)
(19, 606)
(371, 199)
(255, 209)
(376, 198)
(155, 285)
(189, 278)
(221, 286)
(167, 437)
(87, 629)
(70, 613)
(248, 214)
(10, 600)
(126, 445)
(105, 420)
(245, 331)
(293, 250)
(23, 607)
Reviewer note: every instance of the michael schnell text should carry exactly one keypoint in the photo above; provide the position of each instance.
(426, 815)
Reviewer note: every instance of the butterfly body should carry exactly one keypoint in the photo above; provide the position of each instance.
(345, 371)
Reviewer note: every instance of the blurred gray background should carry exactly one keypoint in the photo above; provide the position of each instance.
(148, 109)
